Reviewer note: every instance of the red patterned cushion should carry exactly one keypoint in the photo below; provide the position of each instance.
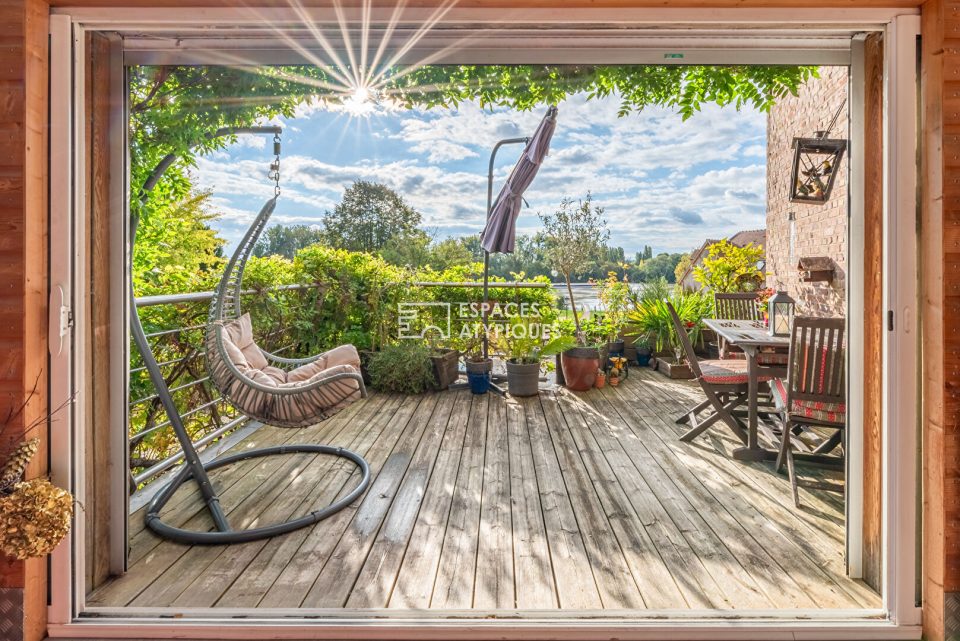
(772, 358)
(727, 372)
(817, 410)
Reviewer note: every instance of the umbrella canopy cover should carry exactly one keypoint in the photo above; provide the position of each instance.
(500, 233)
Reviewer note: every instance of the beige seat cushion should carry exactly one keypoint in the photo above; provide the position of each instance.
(342, 355)
(240, 333)
(288, 407)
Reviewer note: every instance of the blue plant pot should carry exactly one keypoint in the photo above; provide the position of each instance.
(643, 360)
(479, 382)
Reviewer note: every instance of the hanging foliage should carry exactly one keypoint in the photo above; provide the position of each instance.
(685, 88)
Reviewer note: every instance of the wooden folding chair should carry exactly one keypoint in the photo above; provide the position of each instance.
(724, 383)
(812, 400)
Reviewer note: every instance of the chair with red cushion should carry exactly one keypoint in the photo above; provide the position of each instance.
(812, 400)
(724, 383)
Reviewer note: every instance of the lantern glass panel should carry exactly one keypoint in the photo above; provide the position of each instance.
(783, 318)
(781, 308)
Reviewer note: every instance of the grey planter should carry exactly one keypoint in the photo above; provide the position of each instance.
(523, 379)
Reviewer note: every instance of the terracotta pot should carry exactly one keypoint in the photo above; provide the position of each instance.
(580, 366)
(600, 382)
(614, 381)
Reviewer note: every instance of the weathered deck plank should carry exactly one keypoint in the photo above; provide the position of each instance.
(580, 502)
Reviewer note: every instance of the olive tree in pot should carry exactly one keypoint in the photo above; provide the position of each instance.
(575, 235)
(525, 344)
(615, 300)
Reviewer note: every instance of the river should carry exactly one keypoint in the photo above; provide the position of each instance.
(587, 295)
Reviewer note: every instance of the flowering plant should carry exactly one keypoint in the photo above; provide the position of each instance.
(763, 298)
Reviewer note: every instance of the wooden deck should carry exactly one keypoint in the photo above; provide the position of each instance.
(581, 502)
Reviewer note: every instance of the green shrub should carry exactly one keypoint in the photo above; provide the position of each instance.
(404, 368)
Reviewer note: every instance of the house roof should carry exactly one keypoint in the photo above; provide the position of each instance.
(741, 239)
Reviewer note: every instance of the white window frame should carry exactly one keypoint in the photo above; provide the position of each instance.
(900, 617)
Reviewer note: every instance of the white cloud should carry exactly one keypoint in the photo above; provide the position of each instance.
(662, 181)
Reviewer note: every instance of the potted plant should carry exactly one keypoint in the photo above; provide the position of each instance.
(651, 318)
(575, 234)
(446, 365)
(615, 298)
(404, 368)
(525, 344)
(362, 340)
(641, 345)
(601, 381)
(478, 367)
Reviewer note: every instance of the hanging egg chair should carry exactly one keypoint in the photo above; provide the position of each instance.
(277, 391)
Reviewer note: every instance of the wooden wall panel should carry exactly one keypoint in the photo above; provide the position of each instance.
(23, 260)
(873, 312)
(98, 423)
(941, 458)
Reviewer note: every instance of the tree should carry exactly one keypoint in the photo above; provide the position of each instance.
(682, 266)
(177, 251)
(729, 268)
(287, 240)
(575, 236)
(173, 109)
(411, 249)
(369, 216)
(662, 265)
(451, 252)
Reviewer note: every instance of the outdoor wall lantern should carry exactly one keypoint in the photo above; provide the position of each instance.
(815, 164)
(781, 308)
(815, 161)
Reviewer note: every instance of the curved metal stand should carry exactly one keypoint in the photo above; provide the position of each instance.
(193, 467)
(180, 535)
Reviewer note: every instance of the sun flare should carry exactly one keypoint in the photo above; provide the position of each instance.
(360, 101)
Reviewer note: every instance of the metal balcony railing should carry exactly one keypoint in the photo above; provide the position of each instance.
(179, 349)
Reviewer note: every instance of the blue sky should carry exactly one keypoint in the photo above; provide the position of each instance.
(662, 182)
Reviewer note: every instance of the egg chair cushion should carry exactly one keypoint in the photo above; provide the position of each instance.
(240, 333)
(343, 355)
(318, 399)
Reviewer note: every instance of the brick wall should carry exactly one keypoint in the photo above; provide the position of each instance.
(819, 229)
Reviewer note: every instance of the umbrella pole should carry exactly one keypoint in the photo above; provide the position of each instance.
(486, 254)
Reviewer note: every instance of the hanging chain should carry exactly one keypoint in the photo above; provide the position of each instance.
(274, 173)
(825, 133)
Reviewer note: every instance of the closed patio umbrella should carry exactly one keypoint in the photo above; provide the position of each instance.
(500, 233)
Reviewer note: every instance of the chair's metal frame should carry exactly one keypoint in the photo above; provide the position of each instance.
(226, 303)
